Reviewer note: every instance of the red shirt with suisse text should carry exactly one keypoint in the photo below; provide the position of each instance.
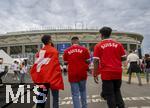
(76, 57)
(109, 52)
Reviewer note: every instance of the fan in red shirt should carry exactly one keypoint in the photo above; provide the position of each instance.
(108, 56)
(77, 57)
(109, 52)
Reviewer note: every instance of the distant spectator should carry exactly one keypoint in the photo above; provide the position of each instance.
(2, 71)
(146, 62)
(61, 67)
(23, 71)
(65, 69)
(134, 63)
(16, 68)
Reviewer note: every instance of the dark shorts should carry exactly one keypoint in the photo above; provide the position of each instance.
(134, 67)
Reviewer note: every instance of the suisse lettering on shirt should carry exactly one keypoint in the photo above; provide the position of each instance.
(109, 45)
(75, 51)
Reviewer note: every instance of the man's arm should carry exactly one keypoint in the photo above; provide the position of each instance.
(87, 56)
(138, 60)
(65, 58)
(124, 58)
(96, 65)
(88, 61)
(123, 53)
(96, 57)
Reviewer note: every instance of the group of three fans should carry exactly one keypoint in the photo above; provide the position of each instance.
(108, 55)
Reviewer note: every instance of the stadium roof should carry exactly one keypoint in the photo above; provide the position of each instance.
(33, 36)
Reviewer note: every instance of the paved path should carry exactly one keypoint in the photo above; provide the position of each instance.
(135, 96)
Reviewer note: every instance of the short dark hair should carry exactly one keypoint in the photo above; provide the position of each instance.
(75, 38)
(147, 55)
(130, 51)
(45, 39)
(23, 63)
(105, 31)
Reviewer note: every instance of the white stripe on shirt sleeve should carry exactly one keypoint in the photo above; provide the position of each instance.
(96, 58)
(124, 56)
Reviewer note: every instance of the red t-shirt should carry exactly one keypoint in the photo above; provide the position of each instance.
(109, 52)
(76, 57)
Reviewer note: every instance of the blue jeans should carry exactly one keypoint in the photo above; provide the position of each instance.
(79, 89)
(55, 94)
(147, 72)
(22, 77)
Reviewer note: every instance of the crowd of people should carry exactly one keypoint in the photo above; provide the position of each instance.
(107, 59)
(138, 66)
(108, 56)
(19, 71)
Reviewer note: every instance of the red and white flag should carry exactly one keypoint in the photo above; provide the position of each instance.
(46, 68)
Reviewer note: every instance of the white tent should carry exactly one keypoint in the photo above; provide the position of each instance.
(7, 60)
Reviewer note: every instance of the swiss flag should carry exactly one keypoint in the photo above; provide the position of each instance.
(46, 68)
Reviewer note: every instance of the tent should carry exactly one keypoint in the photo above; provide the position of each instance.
(7, 60)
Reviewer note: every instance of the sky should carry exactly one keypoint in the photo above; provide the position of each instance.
(121, 15)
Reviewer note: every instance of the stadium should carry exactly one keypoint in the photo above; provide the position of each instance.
(27, 43)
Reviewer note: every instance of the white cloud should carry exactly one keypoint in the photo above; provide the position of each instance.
(124, 15)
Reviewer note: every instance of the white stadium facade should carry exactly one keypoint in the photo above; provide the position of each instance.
(27, 43)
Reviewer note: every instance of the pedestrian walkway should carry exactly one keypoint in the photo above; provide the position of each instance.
(140, 107)
(134, 96)
(134, 79)
(9, 78)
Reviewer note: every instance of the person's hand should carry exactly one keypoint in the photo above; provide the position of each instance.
(96, 79)
(42, 86)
